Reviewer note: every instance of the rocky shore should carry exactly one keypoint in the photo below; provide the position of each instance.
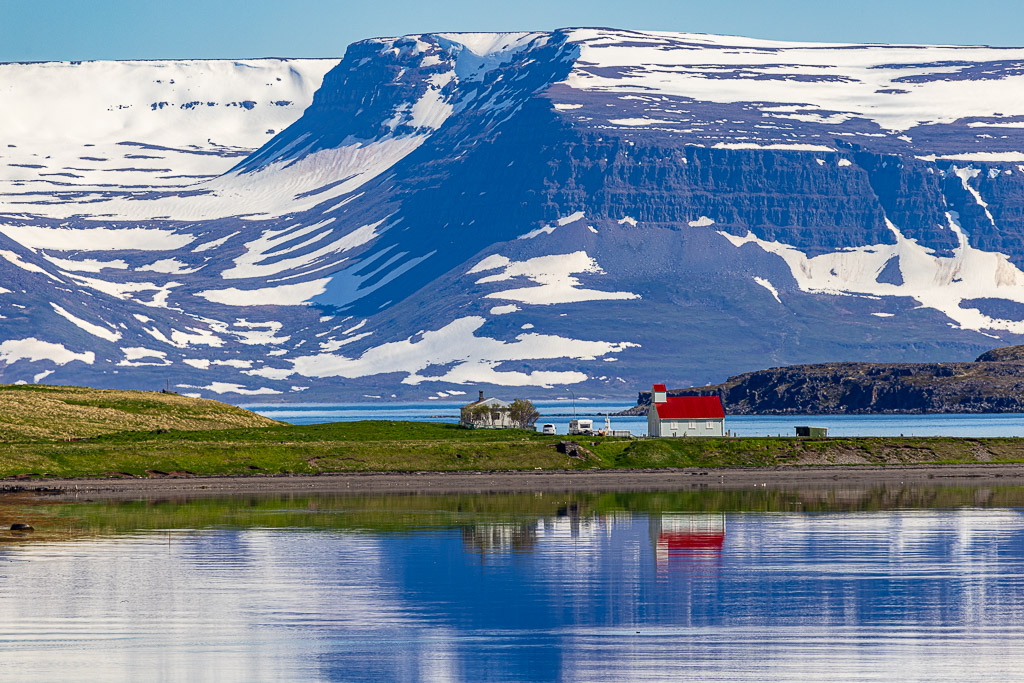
(994, 383)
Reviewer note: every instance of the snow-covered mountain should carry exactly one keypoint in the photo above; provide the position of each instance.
(587, 208)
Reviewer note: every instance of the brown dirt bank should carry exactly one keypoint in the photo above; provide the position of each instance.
(518, 482)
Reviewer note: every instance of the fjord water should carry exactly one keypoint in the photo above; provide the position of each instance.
(874, 583)
(560, 412)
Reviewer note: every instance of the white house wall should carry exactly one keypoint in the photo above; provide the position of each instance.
(679, 428)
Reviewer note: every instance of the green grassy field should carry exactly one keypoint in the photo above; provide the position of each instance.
(378, 446)
(45, 412)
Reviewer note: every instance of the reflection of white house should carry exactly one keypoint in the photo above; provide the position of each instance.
(485, 413)
(684, 415)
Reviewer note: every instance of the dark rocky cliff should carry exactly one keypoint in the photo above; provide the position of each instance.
(994, 383)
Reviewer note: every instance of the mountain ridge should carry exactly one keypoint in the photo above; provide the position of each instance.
(585, 208)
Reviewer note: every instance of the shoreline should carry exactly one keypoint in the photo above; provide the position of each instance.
(419, 483)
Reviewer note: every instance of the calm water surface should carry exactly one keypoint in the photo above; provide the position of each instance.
(560, 412)
(841, 584)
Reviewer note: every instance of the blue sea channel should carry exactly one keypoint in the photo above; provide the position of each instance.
(559, 413)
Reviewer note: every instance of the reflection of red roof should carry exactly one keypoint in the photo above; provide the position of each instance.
(690, 408)
(683, 541)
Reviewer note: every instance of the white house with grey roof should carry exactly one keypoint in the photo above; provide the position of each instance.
(485, 413)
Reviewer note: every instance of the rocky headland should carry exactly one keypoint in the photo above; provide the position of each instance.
(993, 383)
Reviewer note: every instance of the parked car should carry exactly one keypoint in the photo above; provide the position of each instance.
(548, 429)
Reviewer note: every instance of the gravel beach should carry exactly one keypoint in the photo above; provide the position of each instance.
(518, 481)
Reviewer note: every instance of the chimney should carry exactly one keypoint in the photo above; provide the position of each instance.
(660, 393)
(481, 396)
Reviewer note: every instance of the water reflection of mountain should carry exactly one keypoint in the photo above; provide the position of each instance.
(680, 537)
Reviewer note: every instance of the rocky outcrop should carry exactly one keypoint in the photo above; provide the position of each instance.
(573, 450)
(994, 383)
(1006, 354)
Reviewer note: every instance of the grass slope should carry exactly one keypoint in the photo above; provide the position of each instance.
(43, 412)
(378, 446)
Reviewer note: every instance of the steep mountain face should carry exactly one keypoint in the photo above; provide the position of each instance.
(588, 209)
(994, 383)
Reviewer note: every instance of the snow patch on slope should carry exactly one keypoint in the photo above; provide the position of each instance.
(936, 282)
(168, 266)
(16, 260)
(548, 229)
(270, 246)
(279, 188)
(554, 276)
(229, 388)
(35, 350)
(93, 329)
(281, 295)
(792, 147)
(769, 286)
(135, 356)
(86, 265)
(462, 357)
(486, 51)
(96, 239)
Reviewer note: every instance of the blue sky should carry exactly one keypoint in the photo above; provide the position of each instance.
(33, 30)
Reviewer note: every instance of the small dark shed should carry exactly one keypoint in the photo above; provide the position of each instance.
(812, 431)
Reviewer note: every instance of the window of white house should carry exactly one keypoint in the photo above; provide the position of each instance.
(710, 424)
(673, 425)
(693, 425)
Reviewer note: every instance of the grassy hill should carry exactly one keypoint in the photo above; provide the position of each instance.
(54, 413)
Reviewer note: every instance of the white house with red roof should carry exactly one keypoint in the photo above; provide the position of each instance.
(684, 415)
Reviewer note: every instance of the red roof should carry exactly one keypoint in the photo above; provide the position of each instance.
(659, 387)
(690, 408)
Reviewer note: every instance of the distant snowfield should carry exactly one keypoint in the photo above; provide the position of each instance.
(90, 129)
(887, 84)
(95, 139)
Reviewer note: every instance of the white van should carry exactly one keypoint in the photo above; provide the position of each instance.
(581, 427)
(547, 429)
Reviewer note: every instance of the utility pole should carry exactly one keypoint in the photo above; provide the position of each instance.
(573, 402)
